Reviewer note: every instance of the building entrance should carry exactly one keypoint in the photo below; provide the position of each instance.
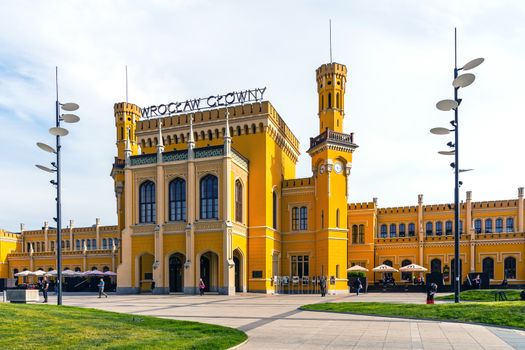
(176, 271)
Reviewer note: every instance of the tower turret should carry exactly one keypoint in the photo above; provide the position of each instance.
(126, 117)
(331, 82)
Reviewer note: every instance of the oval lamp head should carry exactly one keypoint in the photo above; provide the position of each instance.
(447, 153)
(45, 168)
(70, 106)
(446, 105)
(463, 80)
(58, 131)
(440, 131)
(474, 63)
(70, 118)
(45, 147)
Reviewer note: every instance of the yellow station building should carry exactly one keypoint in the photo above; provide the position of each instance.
(213, 194)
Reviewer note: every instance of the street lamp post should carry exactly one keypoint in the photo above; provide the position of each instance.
(58, 131)
(460, 81)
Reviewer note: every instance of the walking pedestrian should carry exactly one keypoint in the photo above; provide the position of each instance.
(323, 286)
(431, 292)
(358, 285)
(202, 286)
(101, 285)
(45, 288)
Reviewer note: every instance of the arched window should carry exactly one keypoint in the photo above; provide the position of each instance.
(52, 246)
(295, 218)
(238, 201)
(322, 102)
(77, 269)
(383, 231)
(439, 228)
(322, 219)
(104, 243)
(411, 230)
(499, 225)
(116, 240)
(429, 228)
(510, 225)
(510, 268)
(388, 262)
(274, 210)
(406, 276)
(337, 100)
(488, 226)
(94, 244)
(78, 244)
(393, 229)
(361, 238)
(105, 269)
(402, 230)
(110, 243)
(477, 226)
(460, 227)
(177, 199)
(88, 244)
(448, 227)
(435, 265)
(488, 267)
(329, 100)
(304, 219)
(209, 197)
(147, 210)
(337, 218)
(354, 234)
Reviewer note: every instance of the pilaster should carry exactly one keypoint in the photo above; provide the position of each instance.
(158, 264)
(124, 269)
(521, 213)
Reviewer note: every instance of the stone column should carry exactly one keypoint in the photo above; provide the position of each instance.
(470, 232)
(158, 264)
(190, 277)
(125, 267)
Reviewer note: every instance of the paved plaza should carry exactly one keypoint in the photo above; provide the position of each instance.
(274, 322)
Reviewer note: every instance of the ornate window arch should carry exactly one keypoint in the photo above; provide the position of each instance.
(510, 267)
(361, 237)
(147, 207)
(435, 265)
(439, 228)
(209, 197)
(383, 231)
(177, 200)
(406, 276)
(509, 227)
(393, 229)
(411, 229)
(303, 224)
(499, 225)
(402, 230)
(429, 229)
(488, 226)
(488, 267)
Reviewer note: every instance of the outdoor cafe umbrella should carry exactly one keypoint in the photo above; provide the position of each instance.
(384, 268)
(39, 273)
(413, 268)
(94, 273)
(24, 273)
(70, 273)
(357, 268)
(110, 273)
(51, 273)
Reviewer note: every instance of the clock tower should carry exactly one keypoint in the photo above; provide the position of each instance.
(331, 153)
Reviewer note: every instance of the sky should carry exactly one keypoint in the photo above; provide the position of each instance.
(399, 55)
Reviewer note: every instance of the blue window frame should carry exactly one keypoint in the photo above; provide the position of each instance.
(209, 197)
(439, 228)
(510, 225)
(177, 200)
(488, 226)
(499, 225)
(429, 229)
(147, 209)
(402, 230)
(477, 226)
(411, 230)
(304, 219)
(383, 231)
(448, 227)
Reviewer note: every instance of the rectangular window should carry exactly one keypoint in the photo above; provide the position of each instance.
(300, 265)
(510, 225)
(304, 219)
(295, 219)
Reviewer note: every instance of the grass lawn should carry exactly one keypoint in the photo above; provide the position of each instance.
(61, 327)
(483, 295)
(505, 313)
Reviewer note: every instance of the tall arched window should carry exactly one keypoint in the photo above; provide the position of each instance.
(435, 265)
(304, 219)
(488, 267)
(88, 244)
(329, 100)
(337, 218)
(104, 243)
(411, 230)
(295, 218)
(510, 225)
(177, 200)
(147, 210)
(274, 210)
(383, 231)
(499, 225)
(322, 219)
(429, 228)
(439, 228)
(110, 242)
(510, 267)
(488, 226)
(78, 244)
(406, 276)
(388, 262)
(238, 201)
(361, 238)
(402, 230)
(209, 197)
(337, 100)
(448, 227)
(393, 229)
(477, 226)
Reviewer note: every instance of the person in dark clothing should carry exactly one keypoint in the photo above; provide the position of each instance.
(358, 285)
(323, 286)
(45, 288)
(431, 292)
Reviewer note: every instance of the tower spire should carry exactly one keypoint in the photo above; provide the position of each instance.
(227, 137)
(330, 33)
(160, 143)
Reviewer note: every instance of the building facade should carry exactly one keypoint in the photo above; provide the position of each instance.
(213, 195)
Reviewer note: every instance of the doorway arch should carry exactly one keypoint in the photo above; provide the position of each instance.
(238, 259)
(176, 273)
(145, 272)
(209, 271)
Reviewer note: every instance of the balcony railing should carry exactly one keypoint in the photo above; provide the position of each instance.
(333, 136)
